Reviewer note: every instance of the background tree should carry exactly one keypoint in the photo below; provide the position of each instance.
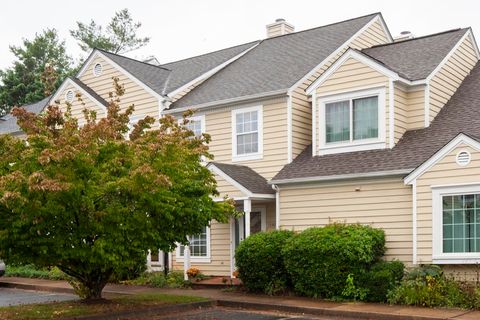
(120, 35)
(91, 201)
(22, 83)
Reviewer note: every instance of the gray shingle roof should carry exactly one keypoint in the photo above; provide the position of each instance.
(184, 71)
(170, 76)
(275, 64)
(8, 123)
(416, 58)
(460, 115)
(246, 176)
(89, 91)
(152, 76)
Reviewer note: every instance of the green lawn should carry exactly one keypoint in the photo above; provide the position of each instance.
(58, 310)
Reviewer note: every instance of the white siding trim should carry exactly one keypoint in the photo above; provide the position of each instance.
(440, 154)
(69, 81)
(289, 129)
(97, 53)
(414, 222)
(391, 114)
(427, 105)
(454, 49)
(314, 123)
(340, 48)
(338, 177)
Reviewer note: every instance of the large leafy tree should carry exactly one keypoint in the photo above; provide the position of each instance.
(92, 201)
(120, 35)
(22, 83)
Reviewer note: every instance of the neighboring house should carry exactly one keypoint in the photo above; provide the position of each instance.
(336, 123)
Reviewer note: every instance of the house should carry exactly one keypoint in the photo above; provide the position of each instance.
(336, 123)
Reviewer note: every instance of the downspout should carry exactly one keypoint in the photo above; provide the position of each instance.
(289, 127)
(277, 206)
(414, 222)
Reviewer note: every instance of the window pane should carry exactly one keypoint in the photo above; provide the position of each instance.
(195, 126)
(247, 132)
(461, 223)
(198, 245)
(337, 121)
(365, 118)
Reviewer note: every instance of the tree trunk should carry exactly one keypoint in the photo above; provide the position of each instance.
(88, 285)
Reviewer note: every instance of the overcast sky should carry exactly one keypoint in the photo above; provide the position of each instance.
(183, 28)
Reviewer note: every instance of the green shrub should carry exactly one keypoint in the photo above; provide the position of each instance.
(260, 262)
(30, 271)
(380, 279)
(319, 260)
(427, 286)
(175, 279)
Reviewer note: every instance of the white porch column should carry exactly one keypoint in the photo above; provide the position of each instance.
(149, 261)
(247, 208)
(186, 260)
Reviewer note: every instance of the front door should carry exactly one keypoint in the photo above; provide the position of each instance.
(258, 223)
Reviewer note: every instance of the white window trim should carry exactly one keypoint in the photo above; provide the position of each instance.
(205, 259)
(200, 118)
(66, 96)
(250, 156)
(438, 256)
(350, 146)
(263, 216)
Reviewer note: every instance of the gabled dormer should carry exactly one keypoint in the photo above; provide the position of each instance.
(367, 99)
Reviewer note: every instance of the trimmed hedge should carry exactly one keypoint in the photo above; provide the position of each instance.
(320, 260)
(260, 262)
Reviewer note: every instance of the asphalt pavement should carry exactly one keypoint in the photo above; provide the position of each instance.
(223, 314)
(12, 297)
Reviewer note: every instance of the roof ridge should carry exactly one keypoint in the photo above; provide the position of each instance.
(323, 26)
(215, 51)
(416, 38)
(89, 90)
(143, 62)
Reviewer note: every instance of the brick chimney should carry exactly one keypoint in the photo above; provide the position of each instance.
(279, 28)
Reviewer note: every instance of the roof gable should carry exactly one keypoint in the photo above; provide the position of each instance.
(275, 64)
(87, 91)
(417, 58)
(460, 139)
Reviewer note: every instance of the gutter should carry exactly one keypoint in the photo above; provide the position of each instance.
(342, 177)
(221, 103)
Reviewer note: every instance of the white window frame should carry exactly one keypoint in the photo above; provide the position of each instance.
(200, 118)
(352, 145)
(438, 256)
(250, 156)
(204, 259)
(101, 69)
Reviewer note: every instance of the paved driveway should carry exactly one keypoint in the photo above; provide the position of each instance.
(11, 297)
(222, 314)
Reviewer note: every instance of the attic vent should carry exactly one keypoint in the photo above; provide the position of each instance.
(97, 69)
(463, 158)
(69, 96)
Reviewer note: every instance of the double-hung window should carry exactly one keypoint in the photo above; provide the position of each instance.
(247, 135)
(456, 218)
(199, 246)
(353, 121)
(196, 125)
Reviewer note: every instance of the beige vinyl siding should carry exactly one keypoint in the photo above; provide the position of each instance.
(384, 203)
(444, 172)
(448, 78)
(416, 108)
(145, 103)
(77, 106)
(218, 123)
(401, 111)
(301, 103)
(219, 264)
(352, 75)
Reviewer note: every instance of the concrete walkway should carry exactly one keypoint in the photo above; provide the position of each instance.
(261, 302)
